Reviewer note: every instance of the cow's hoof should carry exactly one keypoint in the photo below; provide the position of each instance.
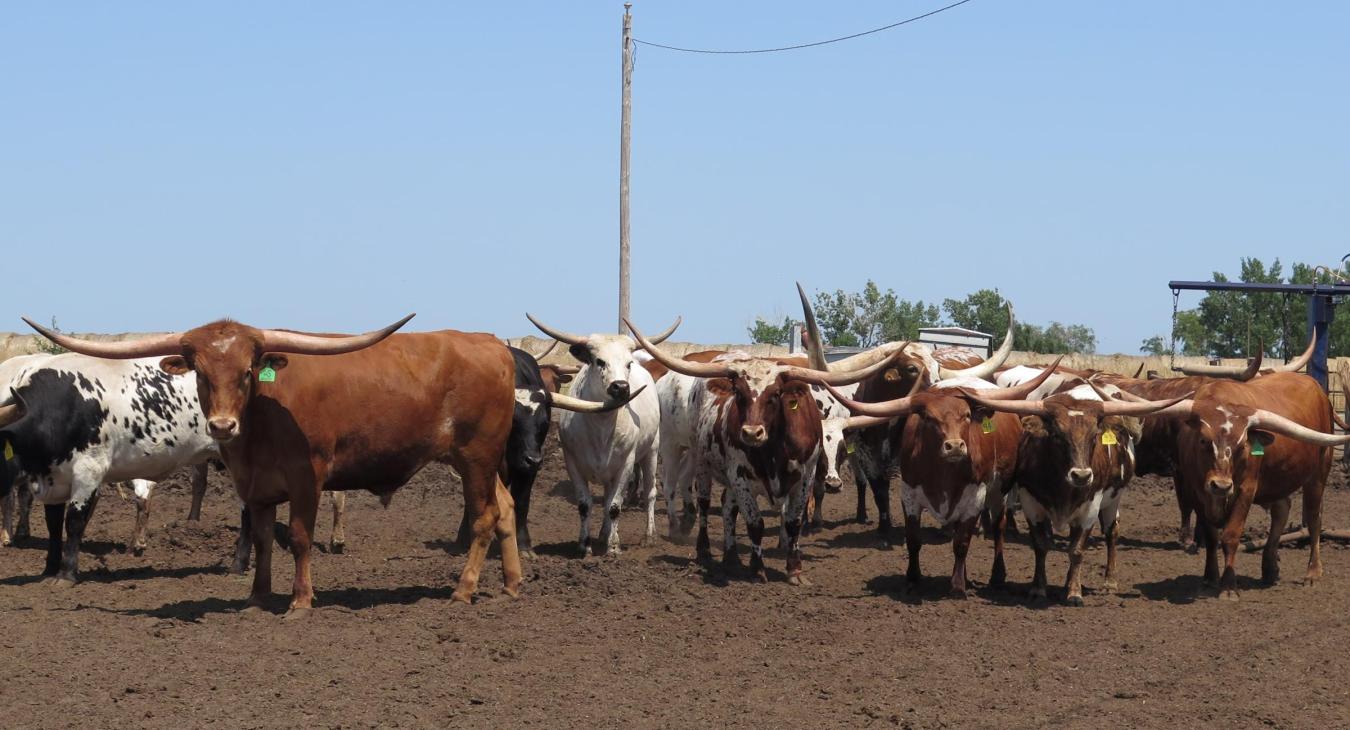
(464, 597)
(959, 594)
(59, 582)
(861, 519)
(297, 613)
(1110, 585)
(759, 577)
(512, 591)
(999, 576)
(1271, 577)
(648, 541)
(253, 609)
(910, 587)
(239, 568)
(1311, 580)
(527, 553)
(138, 550)
(337, 548)
(613, 551)
(1228, 594)
(585, 551)
(798, 580)
(1037, 595)
(1075, 601)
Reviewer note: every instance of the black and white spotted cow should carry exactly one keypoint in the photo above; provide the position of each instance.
(71, 423)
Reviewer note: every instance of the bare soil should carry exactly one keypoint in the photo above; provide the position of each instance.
(650, 638)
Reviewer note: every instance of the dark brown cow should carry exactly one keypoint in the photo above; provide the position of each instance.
(757, 430)
(1073, 462)
(292, 426)
(1249, 443)
(954, 459)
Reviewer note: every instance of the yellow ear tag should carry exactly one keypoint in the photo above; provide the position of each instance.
(792, 405)
(1109, 437)
(9, 451)
(849, 447)
(987, 425)
(1258, 449)
(267, 375)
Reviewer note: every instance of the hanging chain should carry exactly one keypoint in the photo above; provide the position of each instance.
(1172, 348)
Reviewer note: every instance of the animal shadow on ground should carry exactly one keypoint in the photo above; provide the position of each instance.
(105, 575)
(1185, 589)
(352, 599)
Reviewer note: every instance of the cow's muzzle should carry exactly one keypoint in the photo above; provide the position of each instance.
(954, 449)
(618, 389)
(1079, 477)
(833, 483)
(754, 435)
(223, 429)
(1220, 487)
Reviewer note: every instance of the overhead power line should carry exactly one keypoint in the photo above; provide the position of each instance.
(897, 24)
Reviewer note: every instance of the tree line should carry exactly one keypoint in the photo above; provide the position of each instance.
(870, 317)
(1236, 324)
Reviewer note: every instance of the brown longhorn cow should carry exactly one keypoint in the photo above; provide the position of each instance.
(296, 414)
(1073, 462)
(955, 456)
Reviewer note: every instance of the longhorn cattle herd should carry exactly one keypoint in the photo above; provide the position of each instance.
(970, 441)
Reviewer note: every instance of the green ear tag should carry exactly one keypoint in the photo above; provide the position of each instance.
(9, 451)
(1258, 449)
(267, 375)
(987, 425)
(1109, 437)
(849, 447)
(793, 405)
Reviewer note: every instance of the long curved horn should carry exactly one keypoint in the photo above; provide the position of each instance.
(884, 410)
(1123, 395)
(14, 411)
(848, 377)
(157, 345)
(1301, 361)
(1133, 408)
(568, 403)
(1016, 392)
(870, 357)
(856, 422)
(544, 354)
(1017, 407)
(678, 364)
(1279, 424)
(300, 343)
(815, 349)
(567, 369)
(558, 335)
(1225, 371)
(1140, 371)
(995, 361)
(665, 335)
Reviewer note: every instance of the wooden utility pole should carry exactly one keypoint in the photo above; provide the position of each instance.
(625, 138)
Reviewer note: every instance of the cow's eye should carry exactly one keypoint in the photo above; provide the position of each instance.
(600, 363)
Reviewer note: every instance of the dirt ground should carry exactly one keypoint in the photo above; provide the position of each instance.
(651, 639)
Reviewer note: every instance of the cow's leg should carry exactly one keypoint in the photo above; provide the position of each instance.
(583, 492)
(1041, 541)
(55, 516)
(913, 543)
(1185, 534)
(1209, 535)
(614, 494)
(1232, 533)
(1312, 519)
(1110, 531)
(337, 544)
(1073, 583)
(1270, 556)
(261, 519)
(754, 527)
(24, 498)
(860, 481)
(703, 546)
(198, 492)
(243, 545)
(7, 518)
(649, 492)
(962, 532)
(794, 509)
(686, 486)
(304, 515)
(881, 493)
(141, 490)
(730, 510)
(494, 512)
(522, 485)
(77, 518)
(996, 508)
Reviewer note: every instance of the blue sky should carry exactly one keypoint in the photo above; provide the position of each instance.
(335, 165)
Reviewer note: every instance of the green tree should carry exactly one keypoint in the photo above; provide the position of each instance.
(871, 317)
(770, 333)
(986, 311)
(983, 311)
(1154, 346)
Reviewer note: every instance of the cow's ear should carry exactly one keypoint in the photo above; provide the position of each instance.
(720, 386)
(1261, 436)
(562, 378)
(1033, 425)
(175, 365)
(275, 360)
(979, 413)
(581, 352)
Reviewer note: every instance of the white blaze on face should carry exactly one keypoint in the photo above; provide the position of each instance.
(525, 397)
